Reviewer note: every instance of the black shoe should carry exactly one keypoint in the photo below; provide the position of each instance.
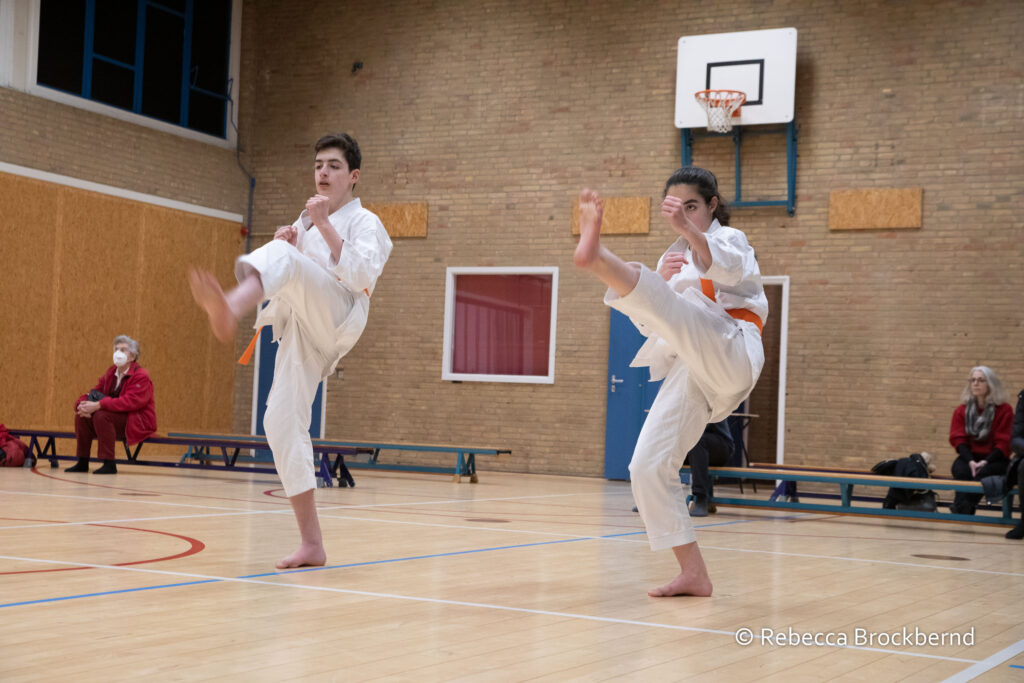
(108, 467)
(1017, 531)
(962, 509)
(699, 506)
(81, 466)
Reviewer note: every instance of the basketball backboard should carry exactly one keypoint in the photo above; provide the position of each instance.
(762, 64)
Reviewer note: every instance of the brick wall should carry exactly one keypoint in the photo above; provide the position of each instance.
(49, 136)
(496, 113)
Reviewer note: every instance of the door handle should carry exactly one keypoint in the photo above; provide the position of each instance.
(615, 381)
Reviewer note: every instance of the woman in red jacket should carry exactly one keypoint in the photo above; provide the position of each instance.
(120, 406)
(980, 433)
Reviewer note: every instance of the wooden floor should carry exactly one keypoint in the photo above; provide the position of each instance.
(159, 574)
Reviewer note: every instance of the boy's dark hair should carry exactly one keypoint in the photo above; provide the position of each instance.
(706, 184)
(346, 143)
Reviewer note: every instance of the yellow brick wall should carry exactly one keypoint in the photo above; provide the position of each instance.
(496, 113)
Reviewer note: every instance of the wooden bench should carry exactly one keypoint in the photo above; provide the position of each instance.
(845, 481)
(227, 450)
(465, 457)
(201, 451)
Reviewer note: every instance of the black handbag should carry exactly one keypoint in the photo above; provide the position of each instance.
(96, 395)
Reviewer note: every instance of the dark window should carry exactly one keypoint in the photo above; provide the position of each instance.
(161, 80)
(61, 42)
(112, 84)
(166, 59)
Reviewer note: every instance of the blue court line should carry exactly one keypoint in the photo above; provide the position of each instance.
(1016, 666)
(94, 595)
(348, 566)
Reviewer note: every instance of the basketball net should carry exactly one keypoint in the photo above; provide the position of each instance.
(720, 106)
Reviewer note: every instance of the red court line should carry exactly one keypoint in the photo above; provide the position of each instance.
(195, 546)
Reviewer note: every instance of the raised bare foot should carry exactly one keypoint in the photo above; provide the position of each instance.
(684, 584)
(591, 211)
(210, 297)
(305, 556)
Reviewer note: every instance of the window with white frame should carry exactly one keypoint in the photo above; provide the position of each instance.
(499, 324)
(165, 59)
(171, 65)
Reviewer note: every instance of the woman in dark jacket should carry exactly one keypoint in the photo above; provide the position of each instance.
(119, 407)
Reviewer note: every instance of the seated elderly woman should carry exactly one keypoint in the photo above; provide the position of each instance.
(980, 433)
(120, 406)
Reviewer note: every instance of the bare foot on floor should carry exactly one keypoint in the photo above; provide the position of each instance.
(591, 212)
(210, 297)
(684, 585)
(305, 556)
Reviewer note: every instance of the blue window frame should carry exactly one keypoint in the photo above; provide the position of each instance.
(165, 59)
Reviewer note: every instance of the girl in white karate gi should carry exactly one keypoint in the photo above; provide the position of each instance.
(703, 337)
(318, 274)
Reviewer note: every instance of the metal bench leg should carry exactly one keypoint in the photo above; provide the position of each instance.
(845, 493)
(51, 448)
(323, 472)
(344, 476)
(460, 469)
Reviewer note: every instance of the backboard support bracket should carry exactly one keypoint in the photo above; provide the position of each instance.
(687, 136)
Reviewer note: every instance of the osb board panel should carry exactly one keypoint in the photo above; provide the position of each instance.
(402, 220)
(193, 374)
(875, 209)
(622, 216)
(28, 233)
(95, 301)
(89, 267)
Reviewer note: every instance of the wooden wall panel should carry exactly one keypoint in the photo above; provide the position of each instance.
(28, 229)
(402, 220)
(192, 373)
(96, 279)
(875, 209)
(622, 216)
(85, 267)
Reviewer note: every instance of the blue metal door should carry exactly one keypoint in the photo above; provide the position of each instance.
(265, 378)
(630, 395)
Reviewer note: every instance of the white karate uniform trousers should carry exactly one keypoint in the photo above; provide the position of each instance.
(717, 361)
(309, 304)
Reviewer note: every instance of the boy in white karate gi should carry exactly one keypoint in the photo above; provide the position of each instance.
(318, 274)
(703, 337)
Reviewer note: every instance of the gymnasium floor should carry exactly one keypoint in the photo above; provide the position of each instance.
(168, 575)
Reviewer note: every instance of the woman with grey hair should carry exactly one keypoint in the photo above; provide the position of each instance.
(980, 433)
(119, 407)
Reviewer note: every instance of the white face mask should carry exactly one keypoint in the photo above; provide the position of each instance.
(120, 358)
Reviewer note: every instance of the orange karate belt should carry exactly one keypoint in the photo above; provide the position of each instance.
(708, 288)
(251, 348)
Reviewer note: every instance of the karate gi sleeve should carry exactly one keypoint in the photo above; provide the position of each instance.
(363, 255)
(732, 257)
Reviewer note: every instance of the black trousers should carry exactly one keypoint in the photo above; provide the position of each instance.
(967, 502)
(713, 450)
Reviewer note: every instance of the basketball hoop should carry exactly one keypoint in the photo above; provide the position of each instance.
(720, 106)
